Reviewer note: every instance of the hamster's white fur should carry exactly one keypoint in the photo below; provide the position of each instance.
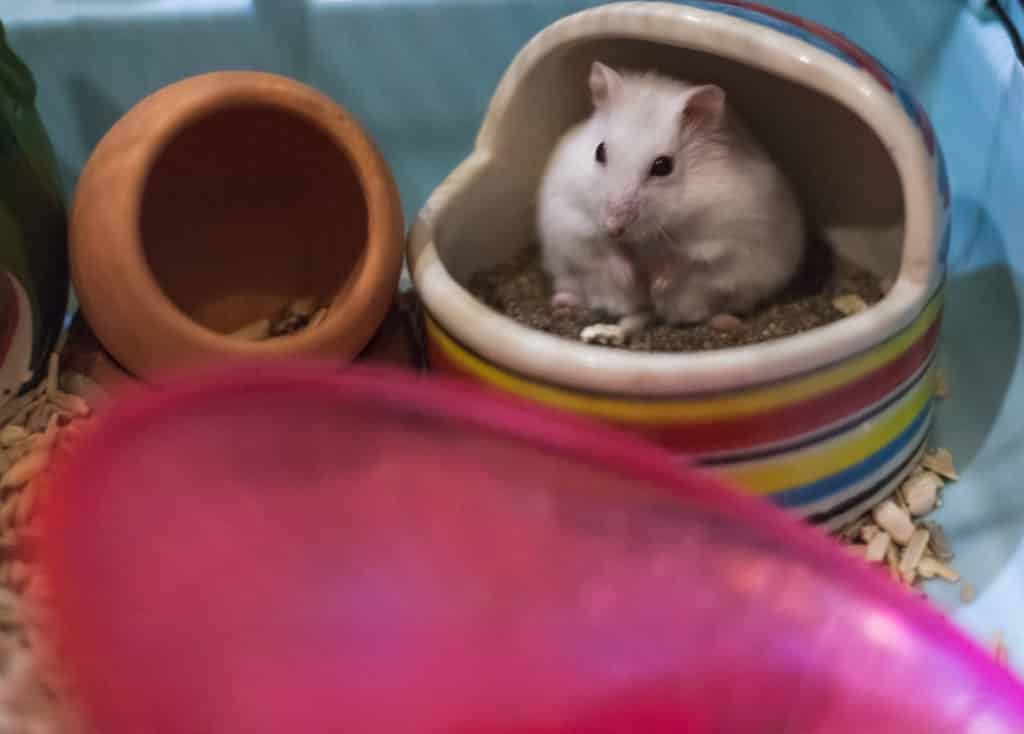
(681, 213)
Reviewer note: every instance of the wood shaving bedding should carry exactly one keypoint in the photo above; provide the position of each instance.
(33, 697)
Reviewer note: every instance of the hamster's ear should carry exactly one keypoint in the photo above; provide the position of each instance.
(604, 83)
(703, 107)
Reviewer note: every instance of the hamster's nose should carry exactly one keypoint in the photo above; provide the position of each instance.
(618, 219)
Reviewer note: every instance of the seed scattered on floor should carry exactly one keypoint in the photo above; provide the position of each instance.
(300, 314)
(967, 593)
(877, 547)
(938, 543)
(913, 554)
(869, 531)
(895, 521)
(848, 304)
(931, 568)
(940, 461)
(921, 492)
(896, 531)
(941, 385)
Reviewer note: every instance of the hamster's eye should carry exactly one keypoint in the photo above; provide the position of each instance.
(599, 154)
(662, 166)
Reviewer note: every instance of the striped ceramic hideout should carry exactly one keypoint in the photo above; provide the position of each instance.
(824, 422)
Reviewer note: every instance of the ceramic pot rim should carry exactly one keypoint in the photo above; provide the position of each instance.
(356, 308)
(505, 342)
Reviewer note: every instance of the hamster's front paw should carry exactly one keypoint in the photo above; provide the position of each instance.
(615, 334)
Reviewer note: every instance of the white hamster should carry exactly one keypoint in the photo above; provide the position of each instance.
(663, 202)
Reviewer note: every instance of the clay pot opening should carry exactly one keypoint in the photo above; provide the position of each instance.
(248, 207)
(844, 175)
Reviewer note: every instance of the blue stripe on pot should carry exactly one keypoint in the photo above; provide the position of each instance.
(833, 485)
(868, 490)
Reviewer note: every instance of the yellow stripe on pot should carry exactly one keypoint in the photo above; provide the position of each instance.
(753, 401)
(773, 475)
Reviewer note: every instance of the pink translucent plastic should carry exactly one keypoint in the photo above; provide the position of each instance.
(289, 550)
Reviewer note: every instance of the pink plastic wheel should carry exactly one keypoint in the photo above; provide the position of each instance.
(281, 550)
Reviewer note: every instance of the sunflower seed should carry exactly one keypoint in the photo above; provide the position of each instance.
(930, 568)
(895, 521)
(938, 543)
(940, 461)
(849, 304)
(921, 492)
(967, 594)
(877, 547)
(913, 554)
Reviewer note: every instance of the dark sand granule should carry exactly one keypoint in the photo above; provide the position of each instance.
(520, 289)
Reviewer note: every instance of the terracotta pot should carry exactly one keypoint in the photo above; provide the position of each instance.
(399, 341)
(218, 200)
